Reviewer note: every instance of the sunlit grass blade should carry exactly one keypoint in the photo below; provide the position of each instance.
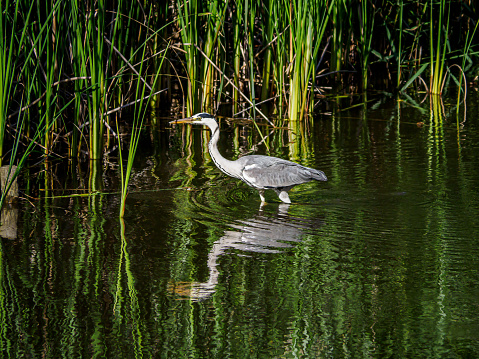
(414, 77)
(308, 21)
(10, 53)
(188, 23)
(97, 66)
(139, 115)
(366, 30)
(438, 55)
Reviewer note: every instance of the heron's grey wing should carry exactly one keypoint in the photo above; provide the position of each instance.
(276, 174)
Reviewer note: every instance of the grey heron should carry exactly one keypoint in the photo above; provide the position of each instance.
(257, 171)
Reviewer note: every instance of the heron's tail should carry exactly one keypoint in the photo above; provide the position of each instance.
(318, 175)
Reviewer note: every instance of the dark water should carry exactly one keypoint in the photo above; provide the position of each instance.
(380, 261)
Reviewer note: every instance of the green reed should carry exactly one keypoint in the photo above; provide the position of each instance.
(366, 30)
(237, 33)
(466, 57)
(160, 21)
(340, 26)
(139, 115)
(10, 52)
(268, 53)
(15, 55)
(281, 55)
(51, 44)
(399, 51)
(439, 38)
(97, 65)
(200, 74)
(249, 23)
(215, 21)
(79, 67)
(275, 52)
(307, 24)
(188, 22)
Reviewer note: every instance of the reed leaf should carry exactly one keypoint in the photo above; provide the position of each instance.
(10, 52)
(139, 116)
(188, 23)
(308, 21)
(438, 56)
(467, 48)
(414, 77)
(366, 27)
(97, 101)
(267, 59)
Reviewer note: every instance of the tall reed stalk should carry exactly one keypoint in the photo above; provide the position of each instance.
(307, 23)
(97, 66)
(50, 44)
(438, 55)
(237, 42)
(198, 68)
(15, 55)
(58, 51)
(249, 24)
(189, 25)
(164, 80)
(79, 67)
(340, 28)
(215, 20)
(281, 53)
(366, 26)
(268, 53)
(400, 36)
(10, 54)
(465, 57)
(139, 116)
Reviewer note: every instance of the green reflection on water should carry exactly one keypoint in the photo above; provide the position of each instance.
(128, 314)
(380, 261)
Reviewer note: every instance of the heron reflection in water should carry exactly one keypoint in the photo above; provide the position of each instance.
(260, 172)
(258, 235)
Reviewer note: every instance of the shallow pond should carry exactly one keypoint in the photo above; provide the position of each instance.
(380, 261)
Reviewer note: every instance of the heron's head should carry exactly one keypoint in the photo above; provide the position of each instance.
(198, 119)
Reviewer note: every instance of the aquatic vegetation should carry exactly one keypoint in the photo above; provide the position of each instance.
(260, 172)
(86, 91)
(139, 115)
(70, 69)
(439, 38)
(9, 61)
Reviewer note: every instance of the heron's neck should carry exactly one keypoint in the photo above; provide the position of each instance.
(222, 163)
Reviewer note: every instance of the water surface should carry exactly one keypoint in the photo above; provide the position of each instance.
(380, 261)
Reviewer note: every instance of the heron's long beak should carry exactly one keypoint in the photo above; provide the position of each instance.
(183, 120)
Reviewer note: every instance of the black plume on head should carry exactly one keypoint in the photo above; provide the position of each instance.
(205, 115)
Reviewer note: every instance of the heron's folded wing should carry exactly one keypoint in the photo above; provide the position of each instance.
(276, 175)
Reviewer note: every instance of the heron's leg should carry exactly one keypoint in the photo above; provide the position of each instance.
(283, 195)
(261, 195)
